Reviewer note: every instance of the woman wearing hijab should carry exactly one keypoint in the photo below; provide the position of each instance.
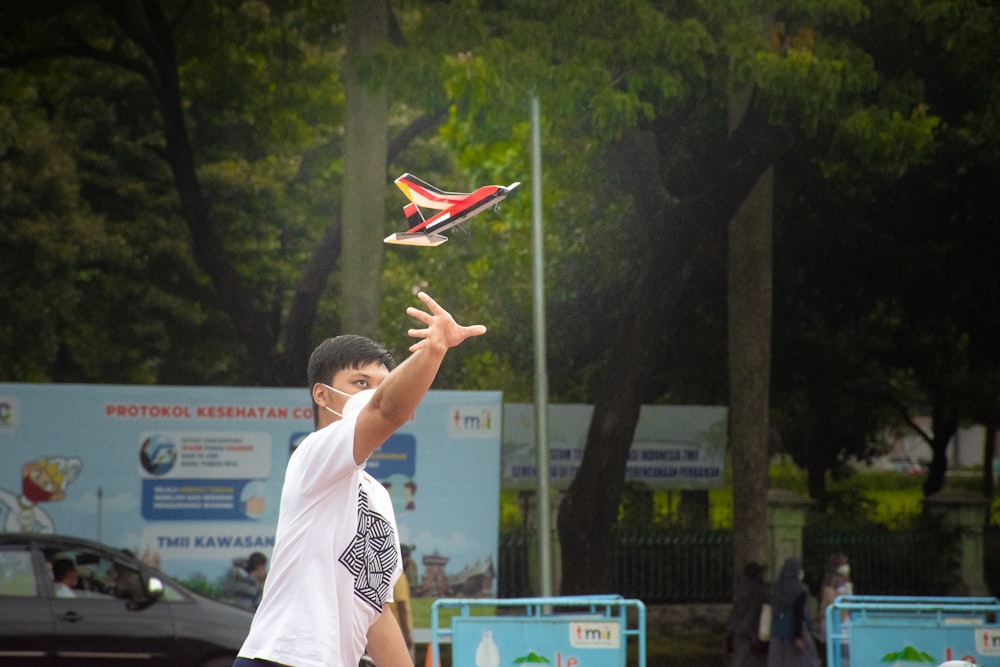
(791, 642)
(744, 619)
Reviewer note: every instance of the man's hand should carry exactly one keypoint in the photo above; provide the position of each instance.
(442, 330)
(396, 398)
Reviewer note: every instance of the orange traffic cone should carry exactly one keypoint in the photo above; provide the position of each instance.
(430, 661)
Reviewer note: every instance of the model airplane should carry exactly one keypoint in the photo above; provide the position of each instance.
(455, 208)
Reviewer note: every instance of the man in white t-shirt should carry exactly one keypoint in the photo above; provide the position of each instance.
(336, 553)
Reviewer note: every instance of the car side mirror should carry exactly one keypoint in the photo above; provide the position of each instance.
(154, 587)
(154, 591)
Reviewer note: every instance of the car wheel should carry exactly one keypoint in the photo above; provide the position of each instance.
(218, 662)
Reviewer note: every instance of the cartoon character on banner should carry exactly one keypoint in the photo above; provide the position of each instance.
(405, 501)
(43, 480)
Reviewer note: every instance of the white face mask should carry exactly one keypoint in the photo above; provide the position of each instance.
(355, 401)
(844, 570)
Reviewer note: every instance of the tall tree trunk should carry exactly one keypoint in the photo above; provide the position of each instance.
(944, 416)
(749, 343)
(989, 451)
(678, 231)
(589, 510)
(366, 138)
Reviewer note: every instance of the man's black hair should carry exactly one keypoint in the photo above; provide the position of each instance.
(347, 351)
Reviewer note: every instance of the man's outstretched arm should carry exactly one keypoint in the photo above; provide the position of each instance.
(397, 397)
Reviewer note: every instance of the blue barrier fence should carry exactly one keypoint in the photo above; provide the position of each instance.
(566, 631)
(901, 630)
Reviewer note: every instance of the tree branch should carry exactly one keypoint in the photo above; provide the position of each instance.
(83, 51)
(399, 143)
(302, 313)
(904, 412)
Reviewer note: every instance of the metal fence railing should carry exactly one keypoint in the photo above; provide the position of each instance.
(677, 565)
(513, 569)
(690, 565)
(991, 559)
(920, 562)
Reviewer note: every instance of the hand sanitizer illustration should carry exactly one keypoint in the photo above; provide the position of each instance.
(487, 653)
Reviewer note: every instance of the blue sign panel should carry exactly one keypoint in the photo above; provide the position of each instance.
(558, 641)
(589, 631)
(902, 631)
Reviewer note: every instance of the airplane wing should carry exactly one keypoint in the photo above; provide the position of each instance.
(403, 238)
(457, 208)
(426, 195)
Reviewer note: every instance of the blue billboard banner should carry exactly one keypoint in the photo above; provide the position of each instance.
(189, 478)
(673, 447)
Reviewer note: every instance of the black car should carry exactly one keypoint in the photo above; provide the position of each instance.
(116, 611)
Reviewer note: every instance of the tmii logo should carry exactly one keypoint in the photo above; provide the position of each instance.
(988, 641)
(472, 421)
(595, 634)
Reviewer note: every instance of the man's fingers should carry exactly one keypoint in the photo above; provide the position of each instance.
(431, 303)
(439, 320)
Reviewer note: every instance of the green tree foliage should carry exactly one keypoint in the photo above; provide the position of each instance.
(655, 117)
(175, 174)
(885, 318)
(202, 136)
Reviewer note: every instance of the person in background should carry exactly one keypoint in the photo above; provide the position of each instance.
(64, 574)
(791, 642)
(744, 619)
(245, 581)
(403, 611)
(124, 581)
(836, 582)
(410, 568)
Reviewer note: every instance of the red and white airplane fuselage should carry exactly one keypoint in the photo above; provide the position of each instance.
(455, 208)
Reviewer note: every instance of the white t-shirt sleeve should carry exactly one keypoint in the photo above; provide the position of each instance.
(325, 457)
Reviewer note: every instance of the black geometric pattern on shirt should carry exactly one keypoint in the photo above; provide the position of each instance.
(371, 555)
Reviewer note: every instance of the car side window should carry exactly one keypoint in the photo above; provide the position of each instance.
(99, 576)
(17, 575)
(90, 580)
(171, 594)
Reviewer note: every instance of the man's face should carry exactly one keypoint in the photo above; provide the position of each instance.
(350, 381)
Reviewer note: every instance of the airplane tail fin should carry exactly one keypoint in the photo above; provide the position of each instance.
(413, 215)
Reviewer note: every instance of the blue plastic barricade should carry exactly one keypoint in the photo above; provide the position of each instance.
(567, 631)
(900, 631)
